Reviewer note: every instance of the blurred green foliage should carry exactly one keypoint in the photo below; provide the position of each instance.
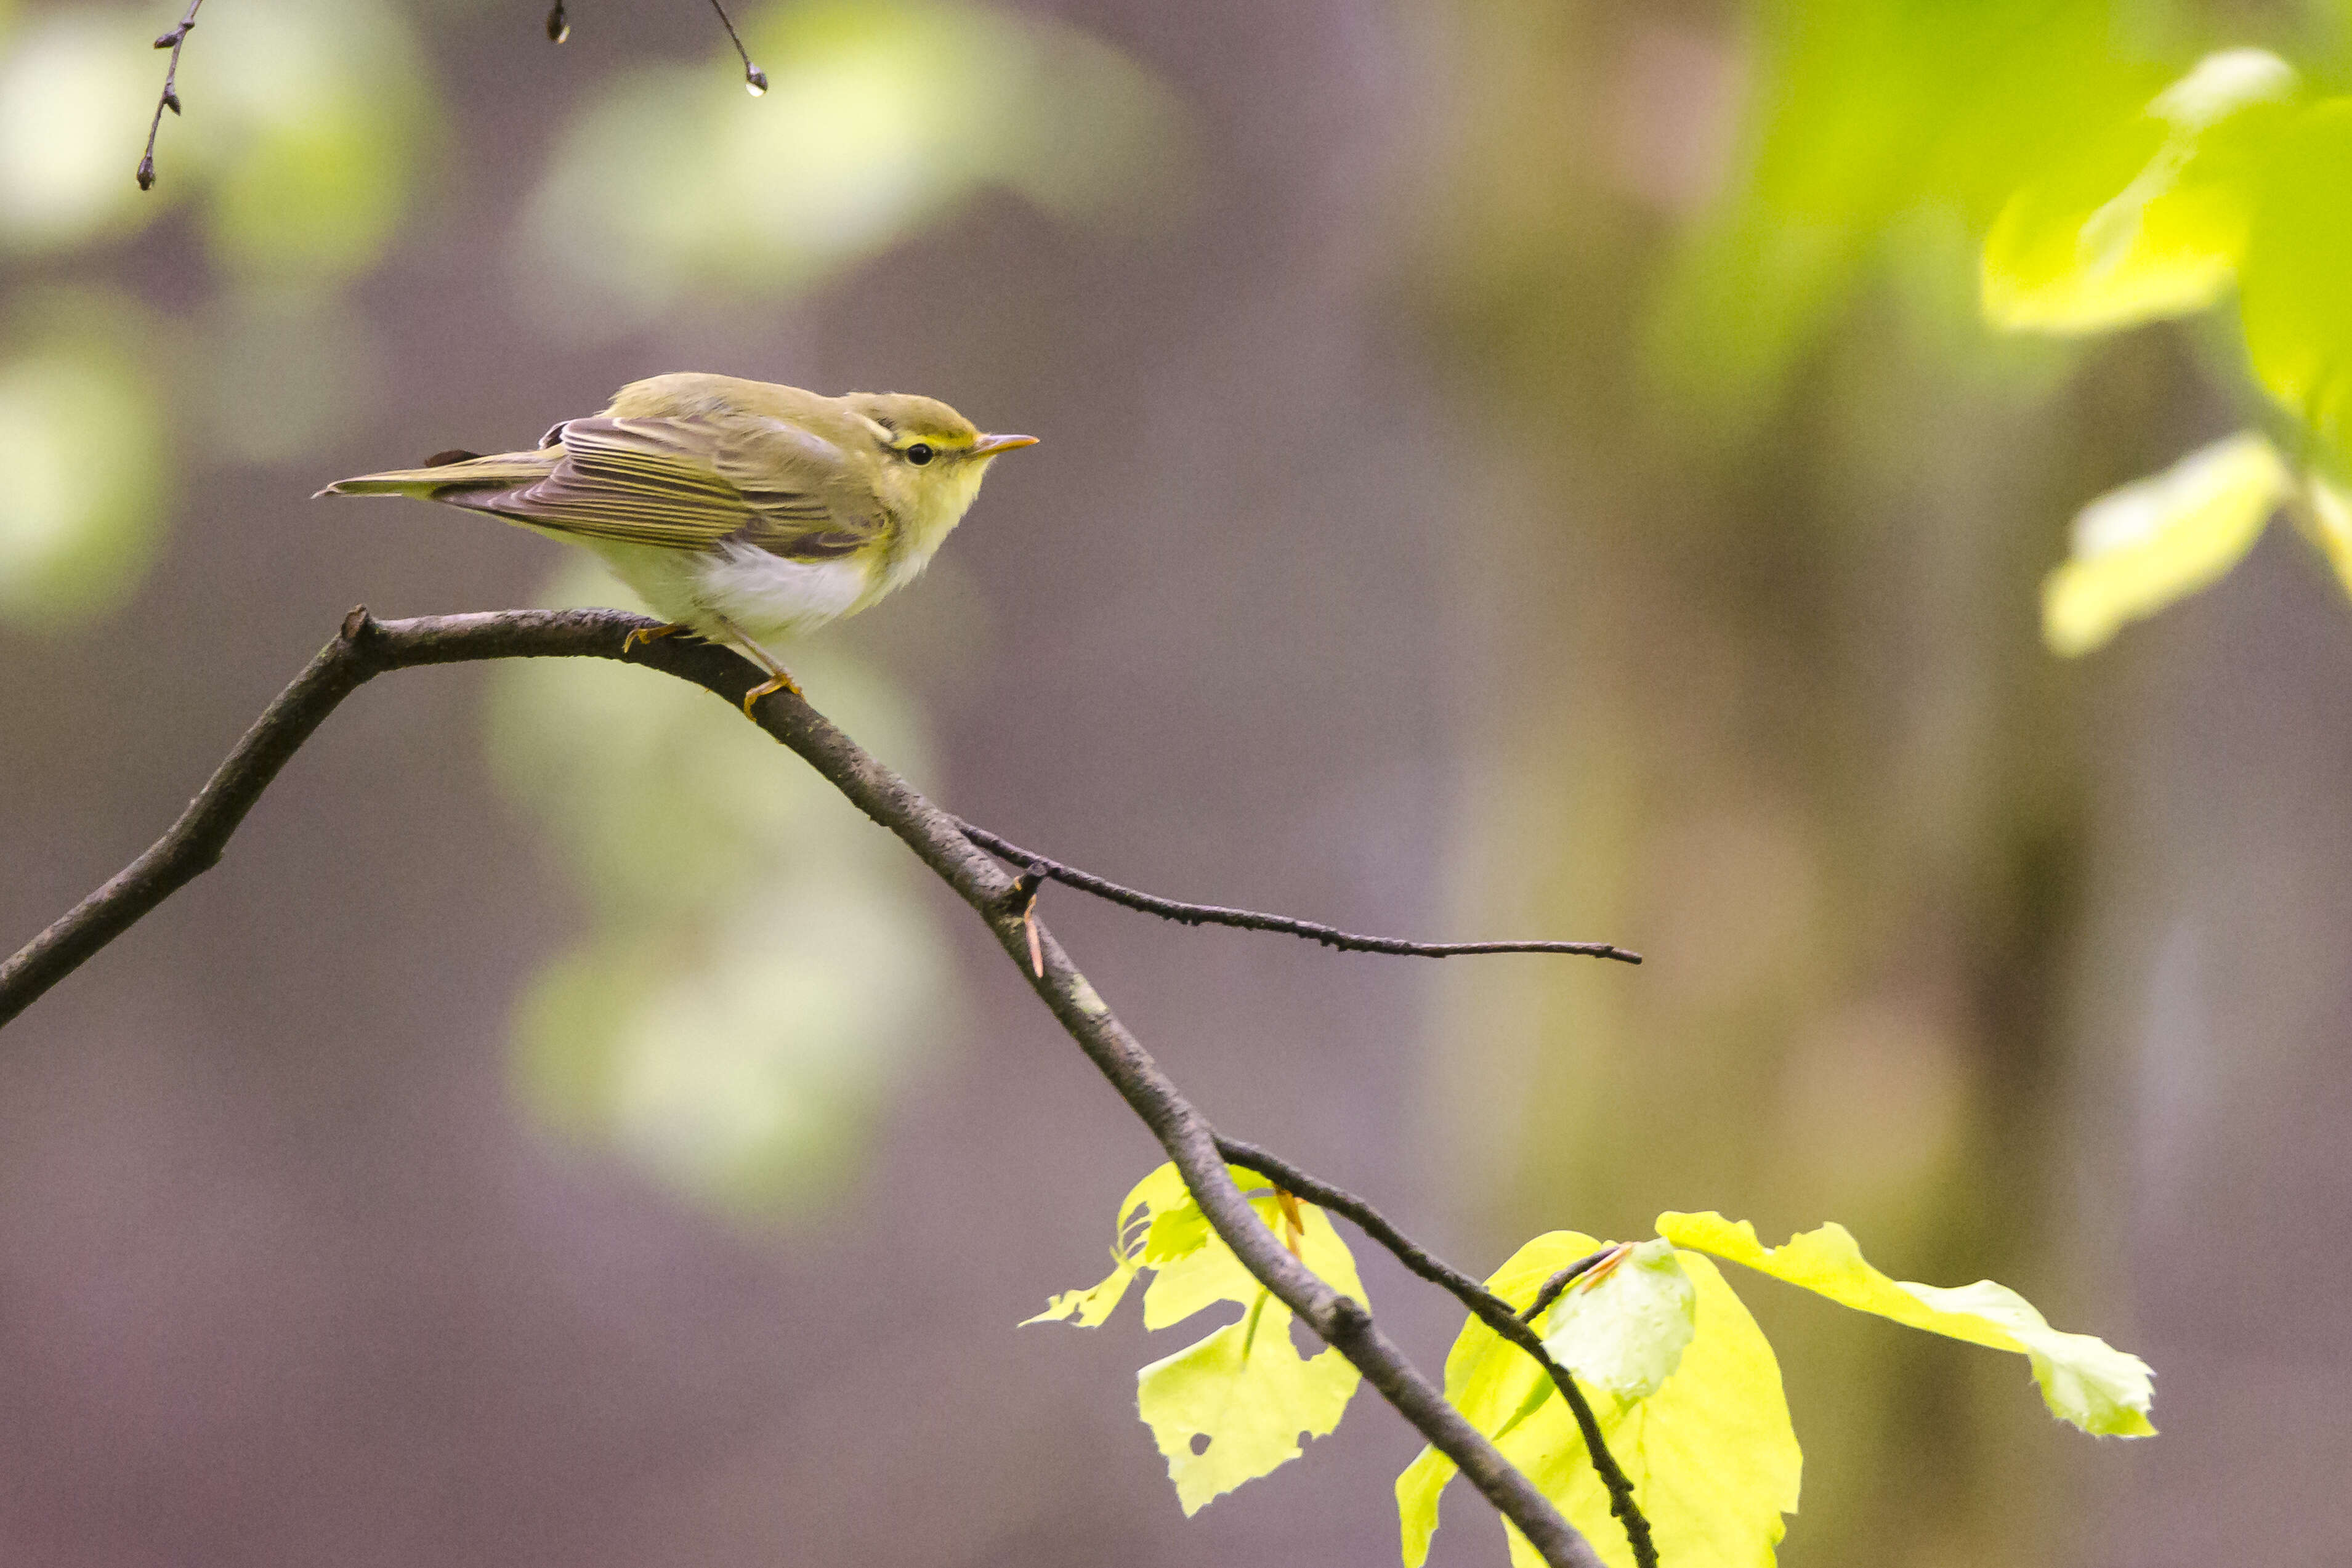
(2145, 217)
(2229, 177)
(307, 127)
(884, 116)
(1872, 129)
(81, 438)
(2139, 548)
(305, 130)
(757, 972)
(74, 99)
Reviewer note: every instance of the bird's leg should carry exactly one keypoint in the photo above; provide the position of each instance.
(652, 633)
(779, 678)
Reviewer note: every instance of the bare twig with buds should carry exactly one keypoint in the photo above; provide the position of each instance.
(175, 40)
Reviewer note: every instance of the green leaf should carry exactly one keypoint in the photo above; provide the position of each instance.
(1711, 1455)
(2296, 312)
(2160, 539)
(2150, 220)
(1163, 1192)
(1626, 1330)
(1230, 1407)
(1243, 1395)
(2084, 1381)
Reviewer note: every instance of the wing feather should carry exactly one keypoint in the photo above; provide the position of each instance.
(696, 484)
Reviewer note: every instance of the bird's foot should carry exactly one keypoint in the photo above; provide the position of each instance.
(780, 681)
(652, 633)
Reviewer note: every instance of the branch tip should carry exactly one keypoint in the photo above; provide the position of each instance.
(1250, 920)
(175, 40)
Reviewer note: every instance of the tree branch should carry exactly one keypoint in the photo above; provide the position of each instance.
(1485, 1305)
(175, 40)
(364, 648)
(1250, 920)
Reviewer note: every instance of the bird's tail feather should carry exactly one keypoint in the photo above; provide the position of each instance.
(445, 481)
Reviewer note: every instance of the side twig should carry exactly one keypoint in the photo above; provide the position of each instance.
(755, 80)
(175, 40)
(1250, 920)
(364, 648)
(1485, 1305)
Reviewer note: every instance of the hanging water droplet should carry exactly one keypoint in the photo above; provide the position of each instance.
(755, 81)
(558, 25)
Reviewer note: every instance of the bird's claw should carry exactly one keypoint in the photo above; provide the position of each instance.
(649, 633)
(780, 681)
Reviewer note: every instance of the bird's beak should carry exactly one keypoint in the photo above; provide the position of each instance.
(989, 445)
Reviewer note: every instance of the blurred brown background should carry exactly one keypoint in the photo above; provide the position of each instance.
(1509, 468)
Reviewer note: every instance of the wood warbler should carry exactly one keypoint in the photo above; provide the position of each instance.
(737, 510)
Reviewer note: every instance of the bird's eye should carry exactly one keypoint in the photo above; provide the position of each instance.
(920, 453)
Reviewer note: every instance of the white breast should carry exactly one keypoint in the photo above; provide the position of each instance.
(770, 596)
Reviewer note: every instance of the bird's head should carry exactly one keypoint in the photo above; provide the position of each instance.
(933, 456)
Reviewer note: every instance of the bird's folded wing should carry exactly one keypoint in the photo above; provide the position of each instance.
(690, 484)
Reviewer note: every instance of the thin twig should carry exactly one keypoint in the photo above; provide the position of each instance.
(1250, 920)
(754, 77)
(175, 40)
(1485, 1305)
(1559, 1282)
(364, 648)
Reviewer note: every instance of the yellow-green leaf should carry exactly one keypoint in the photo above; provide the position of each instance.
(1711, 1454)
(1230, 1407)
(2084, 1381)
(1626, 1330)
(2148, 220)
(1163, 1192)
(2160, 539)
(2296, 312)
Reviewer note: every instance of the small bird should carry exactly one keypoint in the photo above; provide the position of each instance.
(739, 510)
